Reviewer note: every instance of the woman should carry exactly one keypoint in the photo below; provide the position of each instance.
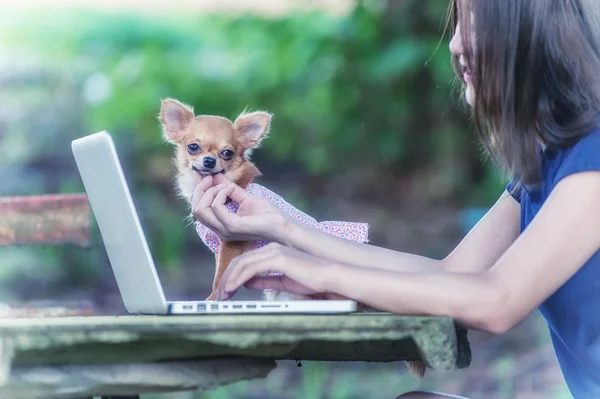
(531, 71)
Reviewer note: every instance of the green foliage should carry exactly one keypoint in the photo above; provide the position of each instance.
(371, 89)
(341, 89)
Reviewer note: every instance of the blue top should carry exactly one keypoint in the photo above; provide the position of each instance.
(573, 311)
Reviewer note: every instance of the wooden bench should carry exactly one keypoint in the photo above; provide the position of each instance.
(45, 220)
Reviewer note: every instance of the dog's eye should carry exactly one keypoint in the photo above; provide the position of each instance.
(227, 154)
(193, 148)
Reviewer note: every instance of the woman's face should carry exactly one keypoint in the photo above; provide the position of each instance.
(457, 49)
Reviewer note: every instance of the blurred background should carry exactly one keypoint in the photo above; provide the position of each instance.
(368, 126)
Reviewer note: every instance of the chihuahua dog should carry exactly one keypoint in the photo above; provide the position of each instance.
(208, 145)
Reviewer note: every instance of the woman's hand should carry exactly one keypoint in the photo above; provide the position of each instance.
(303, 274)
(256, 219)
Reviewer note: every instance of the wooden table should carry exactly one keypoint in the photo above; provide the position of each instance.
(76, 357)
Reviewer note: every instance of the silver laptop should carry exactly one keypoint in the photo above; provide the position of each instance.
(111, 202)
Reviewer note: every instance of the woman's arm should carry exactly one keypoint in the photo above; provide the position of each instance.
(561, 238)
(480, 248)
(258, 219)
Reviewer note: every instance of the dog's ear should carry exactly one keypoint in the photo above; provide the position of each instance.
(252, 127)
(175, 117)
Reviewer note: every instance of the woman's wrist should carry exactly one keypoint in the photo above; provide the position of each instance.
(331, 277)
(279, 231)
(292, 232)
(284, 231)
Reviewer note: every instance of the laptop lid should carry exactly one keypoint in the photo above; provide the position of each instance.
(111, 203)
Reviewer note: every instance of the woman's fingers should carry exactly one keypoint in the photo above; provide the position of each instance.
(256, 255)
(221, 179)
(266, 283)
(199, 190)
(234, 276)
(209, 196)
(203, 212)
(247, 272)
(298, 273)
(225, 217)
(237, 194)
(222, 194)
(280, 283)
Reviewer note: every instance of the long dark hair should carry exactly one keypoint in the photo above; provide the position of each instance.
(535, 67)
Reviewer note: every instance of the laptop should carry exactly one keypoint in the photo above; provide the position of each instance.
(128, 252)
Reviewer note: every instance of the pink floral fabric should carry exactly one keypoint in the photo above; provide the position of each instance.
(352, 231)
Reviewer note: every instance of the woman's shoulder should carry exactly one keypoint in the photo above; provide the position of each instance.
(589, 142)
(582, 156)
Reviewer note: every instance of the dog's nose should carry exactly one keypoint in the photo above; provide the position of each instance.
(209, 162)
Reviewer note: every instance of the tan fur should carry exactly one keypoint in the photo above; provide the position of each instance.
(214, 134)
(227, 251)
